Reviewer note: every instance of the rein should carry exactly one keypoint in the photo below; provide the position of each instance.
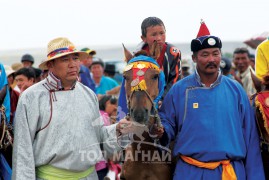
(139, 65)
(154, 118)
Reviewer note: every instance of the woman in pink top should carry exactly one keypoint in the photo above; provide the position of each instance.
(108, 108)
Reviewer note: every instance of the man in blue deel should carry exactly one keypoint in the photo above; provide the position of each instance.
(210, 118)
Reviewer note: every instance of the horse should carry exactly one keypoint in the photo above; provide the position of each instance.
(144, 157)
(262, 117)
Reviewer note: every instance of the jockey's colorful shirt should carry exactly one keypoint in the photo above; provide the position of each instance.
(211, 124)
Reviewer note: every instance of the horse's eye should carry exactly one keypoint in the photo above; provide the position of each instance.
(155, 77)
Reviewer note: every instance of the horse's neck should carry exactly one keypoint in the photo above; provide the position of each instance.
(147, 144)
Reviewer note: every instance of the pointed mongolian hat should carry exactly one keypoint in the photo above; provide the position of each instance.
(61, 47)
(204, 39)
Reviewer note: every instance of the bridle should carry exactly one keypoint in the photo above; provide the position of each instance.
(138, 84)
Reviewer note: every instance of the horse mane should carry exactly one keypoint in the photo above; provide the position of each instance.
(154, 52)
(265, 82)
(141, 52)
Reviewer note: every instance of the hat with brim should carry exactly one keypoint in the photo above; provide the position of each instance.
(8, 70)
(89, 51)
(185, 63)
(60, 47)
(16, 66)
(97, 61)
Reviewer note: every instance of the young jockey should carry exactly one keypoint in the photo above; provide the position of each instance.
(153, 30)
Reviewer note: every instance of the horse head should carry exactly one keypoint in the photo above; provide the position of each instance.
(141, 84)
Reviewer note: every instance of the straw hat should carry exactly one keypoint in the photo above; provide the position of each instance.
(8, 70)
(60, 47)
(16, 66)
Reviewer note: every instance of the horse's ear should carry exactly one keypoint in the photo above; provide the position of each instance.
(127, 54)
(155, 50)
(256, 81)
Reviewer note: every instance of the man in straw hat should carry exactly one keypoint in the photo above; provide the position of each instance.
(58, 127)
(210, 118)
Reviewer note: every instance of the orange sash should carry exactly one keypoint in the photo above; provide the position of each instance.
(227, 169)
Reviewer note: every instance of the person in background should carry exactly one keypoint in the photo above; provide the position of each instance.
(5, 156)
(108, 107)
(25, 77)
(14, 95)
(44, 71)
(4, 92)
(27, 61)
(102, 83)
(58, 125)
(252, 61)
(38, 73)
(88, 60)
(225, 67)
(225, 144)
(16, 67)
(85, 76)
(110, 70)
(44, 74)
(185, 67)
(242, 64)
(262, 59)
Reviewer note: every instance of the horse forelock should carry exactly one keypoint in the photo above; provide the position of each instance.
(141, 52)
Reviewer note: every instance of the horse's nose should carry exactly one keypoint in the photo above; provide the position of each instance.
(140, 115)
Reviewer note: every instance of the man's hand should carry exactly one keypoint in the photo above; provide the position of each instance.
(123, 123)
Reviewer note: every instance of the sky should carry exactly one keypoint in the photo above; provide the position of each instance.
(33, 23)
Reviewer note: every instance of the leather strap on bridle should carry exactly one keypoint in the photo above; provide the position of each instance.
(155, 114)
